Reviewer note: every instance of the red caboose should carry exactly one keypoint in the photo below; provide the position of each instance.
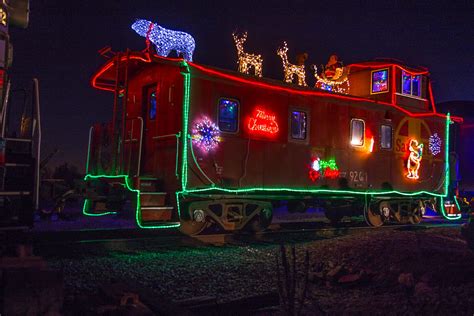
(193, 145)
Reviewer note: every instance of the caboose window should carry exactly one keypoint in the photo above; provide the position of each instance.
(386, 136)
(406, 83)
(299, 120)
(416, 86)
(357, 132)
(411, 84)
(152, 105)
(379, 81)
(228, 115)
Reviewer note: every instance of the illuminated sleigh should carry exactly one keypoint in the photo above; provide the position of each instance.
(339, 83)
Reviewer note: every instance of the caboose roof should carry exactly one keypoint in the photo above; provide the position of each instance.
(105, 78)
(386, 63)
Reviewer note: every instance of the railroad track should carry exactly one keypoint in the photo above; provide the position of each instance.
(277, 233)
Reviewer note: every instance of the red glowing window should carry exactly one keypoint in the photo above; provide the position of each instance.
(263, 122)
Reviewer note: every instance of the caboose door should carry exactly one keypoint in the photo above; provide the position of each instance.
(161, 123)
(151, 98)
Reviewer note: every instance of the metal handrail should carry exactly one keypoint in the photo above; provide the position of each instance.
(4, 109)
(89, 150)
(178, 136)
(140, 147)
(164, 136)
(38, 146)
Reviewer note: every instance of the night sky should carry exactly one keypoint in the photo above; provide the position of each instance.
(60, 46)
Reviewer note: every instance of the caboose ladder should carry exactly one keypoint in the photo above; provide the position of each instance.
(153, 205)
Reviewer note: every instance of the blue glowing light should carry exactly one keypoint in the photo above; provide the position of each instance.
(435, 144)
(205, 134)
(166, 40)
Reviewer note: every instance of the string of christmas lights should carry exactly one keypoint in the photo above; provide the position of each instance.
(206, 134)
(434, 144)
(290, 70)
(247, 60)
(166, 40)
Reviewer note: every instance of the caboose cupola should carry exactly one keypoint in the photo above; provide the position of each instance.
(392, 82)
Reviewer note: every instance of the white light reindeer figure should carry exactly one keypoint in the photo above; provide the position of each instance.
(290, 70)
(246, 60)
(414, 160)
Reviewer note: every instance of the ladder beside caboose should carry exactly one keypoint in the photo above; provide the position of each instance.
(19, 162)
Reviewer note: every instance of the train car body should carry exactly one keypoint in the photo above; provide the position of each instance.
(195, 145)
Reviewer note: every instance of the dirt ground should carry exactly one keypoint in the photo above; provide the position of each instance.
(417, 271)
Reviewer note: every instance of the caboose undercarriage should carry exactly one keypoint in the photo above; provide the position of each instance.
(254, 213)
(194, 212)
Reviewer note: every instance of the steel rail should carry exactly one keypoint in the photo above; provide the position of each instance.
(273, 235)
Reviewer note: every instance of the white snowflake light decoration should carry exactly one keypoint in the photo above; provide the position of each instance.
(166, 40)
(205, 134)
(434, 144)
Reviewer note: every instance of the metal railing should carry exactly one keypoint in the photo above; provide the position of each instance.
(178, 136)
(132, 140)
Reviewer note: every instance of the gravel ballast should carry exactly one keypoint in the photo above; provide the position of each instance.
(440, 265)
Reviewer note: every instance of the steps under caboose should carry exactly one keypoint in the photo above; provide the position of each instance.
(154, 209)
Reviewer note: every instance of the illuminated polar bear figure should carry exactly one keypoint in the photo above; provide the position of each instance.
(166, 40)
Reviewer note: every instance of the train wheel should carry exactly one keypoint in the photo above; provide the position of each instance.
(191, 227)
(194, 225)
(261, 221)
(372, 216)
(416, 216)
